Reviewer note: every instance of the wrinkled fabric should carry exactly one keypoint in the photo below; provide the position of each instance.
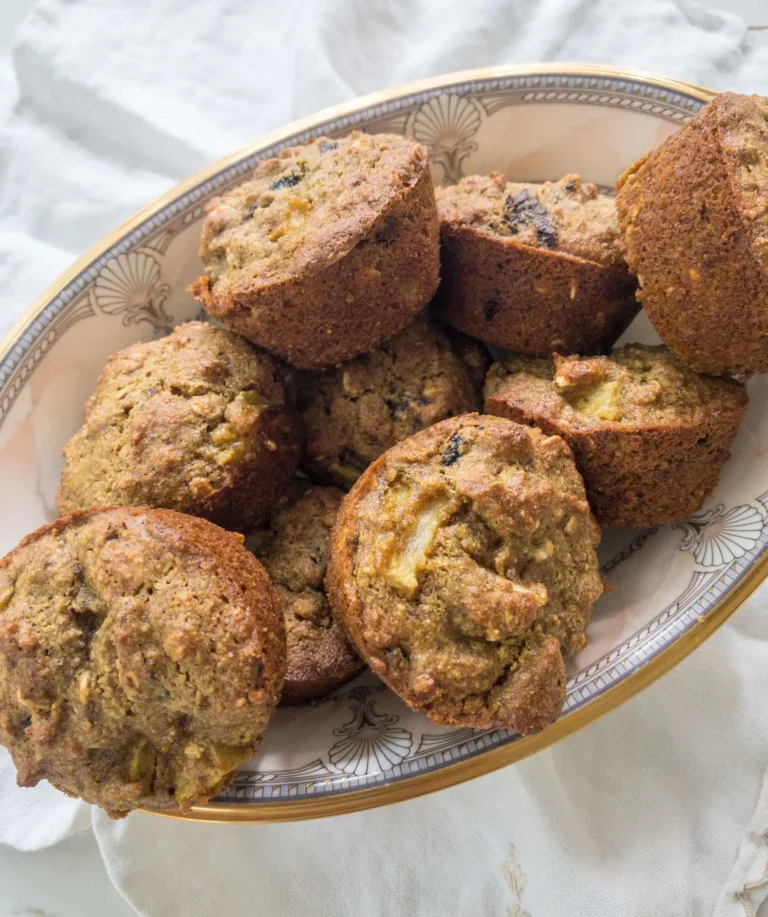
(654, 810)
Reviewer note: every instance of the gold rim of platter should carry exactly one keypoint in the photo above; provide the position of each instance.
(329, 114)
(485, 762)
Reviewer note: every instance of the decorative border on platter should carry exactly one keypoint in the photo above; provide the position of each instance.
(427, 115)
(748, 540)
(674, 106)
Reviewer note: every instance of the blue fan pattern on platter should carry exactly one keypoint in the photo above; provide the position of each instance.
(529, 125)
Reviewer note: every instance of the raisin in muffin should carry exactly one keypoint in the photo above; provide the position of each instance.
(695, 227)
(294, 550)
(355, 412)
(142, 653)
(326, 251)
(197, 421)
(649, 434)
(463, 567)
(533, 267)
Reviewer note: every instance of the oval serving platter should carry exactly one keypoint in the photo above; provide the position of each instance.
(672, 586)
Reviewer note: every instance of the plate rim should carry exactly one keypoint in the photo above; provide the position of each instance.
(495, 758)
(327, 114)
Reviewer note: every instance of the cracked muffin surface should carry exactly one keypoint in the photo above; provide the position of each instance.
(648, 433)
(294, 550)
(568, 215)
(317, 236)
(534, 267)
(463, 566)
(141, 655)
(354, 413)
(197, 421)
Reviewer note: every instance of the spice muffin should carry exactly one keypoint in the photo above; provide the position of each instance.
(197, 421)
(326, 251)
(142, 653)
(463, 567)
(355, 412)
(533, 267)
(649, 434)
(294, 550)
(695, 226)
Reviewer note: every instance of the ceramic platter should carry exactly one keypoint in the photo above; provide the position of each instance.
(673, 586)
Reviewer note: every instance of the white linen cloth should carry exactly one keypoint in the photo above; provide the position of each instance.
(655, 810)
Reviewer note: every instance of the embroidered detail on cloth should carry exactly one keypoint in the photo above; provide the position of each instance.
(746, 888)
(515, 879)
(760, 885)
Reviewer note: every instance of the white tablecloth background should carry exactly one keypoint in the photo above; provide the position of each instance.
(656, 809)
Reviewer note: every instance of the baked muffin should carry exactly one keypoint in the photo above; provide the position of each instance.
(142, 653)
(695, 225)
(533, 267)
(463, 567)
(197, 421)
(294, 550)
(354, 413)
(326, 251)
(649, 434)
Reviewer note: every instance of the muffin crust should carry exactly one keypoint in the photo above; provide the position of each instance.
(319, 237)
(197, 421)
(649, 434)
(694, 219)
(294, 550)
(354, 413)
(141, 655)
(463, 567)
(533, 267)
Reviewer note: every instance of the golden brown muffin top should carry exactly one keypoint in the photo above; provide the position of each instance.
(463, 559)
(141, 654)
(294, 550)
(355, 412)
(307, 207)
(743, 127)
(174, 421)
(636, 386)
(568, 215)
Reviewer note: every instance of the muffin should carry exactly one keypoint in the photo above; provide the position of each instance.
(142, 653)
(463, 567)
(533, 267)
(294, 550)
(649, 434)
(326, 251)
(695, 228)
(197, 421)
(354, 413)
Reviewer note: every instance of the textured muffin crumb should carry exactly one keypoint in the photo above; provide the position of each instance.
(648, 433)
(694, 224)
(294, 550)
(636, 384)
(197, 421)
(141, 655)
(294, 255)
(463, 566)
(535, 268)
(305, 205)
(354, 413)
(568, 215)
